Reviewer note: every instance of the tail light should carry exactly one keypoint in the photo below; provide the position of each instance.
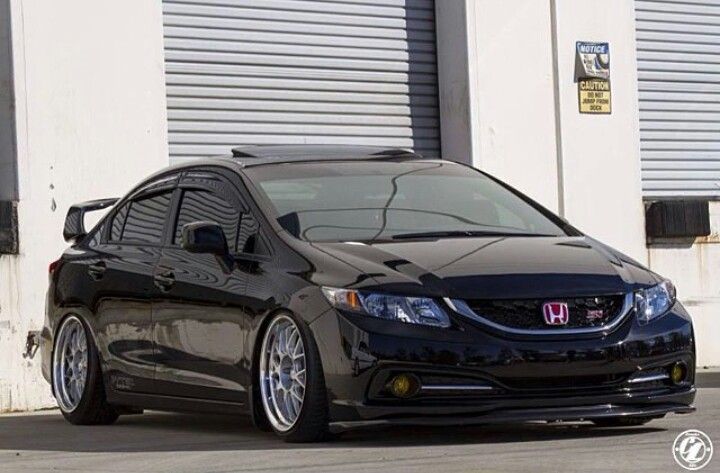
(54, 266)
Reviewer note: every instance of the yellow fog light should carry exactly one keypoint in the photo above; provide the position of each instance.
(404, 385)
(678, 372)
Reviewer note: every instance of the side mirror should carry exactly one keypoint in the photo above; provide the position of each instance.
(204, 237)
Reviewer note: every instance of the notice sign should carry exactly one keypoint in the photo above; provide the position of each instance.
(594, 59)
(593, 77)
(594, 95)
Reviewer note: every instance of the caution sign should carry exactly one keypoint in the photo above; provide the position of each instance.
(594, 95)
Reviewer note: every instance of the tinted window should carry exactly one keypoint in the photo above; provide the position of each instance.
(145, 219)
(119, 222)
(248, 238)
(95, 235)
(199, 205)
(374, 200)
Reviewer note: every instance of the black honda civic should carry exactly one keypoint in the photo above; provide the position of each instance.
(322, 288)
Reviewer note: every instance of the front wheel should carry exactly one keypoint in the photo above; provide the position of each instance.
(77, 377)
(292, 386)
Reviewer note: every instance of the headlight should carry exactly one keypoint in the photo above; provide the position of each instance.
(654, 301)
(413, 310)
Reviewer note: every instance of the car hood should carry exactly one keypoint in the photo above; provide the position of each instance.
(489, 267)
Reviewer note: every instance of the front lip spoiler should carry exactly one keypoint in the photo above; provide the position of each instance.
(553, 414)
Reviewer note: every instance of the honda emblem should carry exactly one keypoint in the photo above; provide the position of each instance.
(556, 313)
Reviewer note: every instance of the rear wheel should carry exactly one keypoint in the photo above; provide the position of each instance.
(292, 387)
(622, 421)
(77, 378)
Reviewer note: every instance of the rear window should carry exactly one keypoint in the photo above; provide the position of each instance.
(119, 222)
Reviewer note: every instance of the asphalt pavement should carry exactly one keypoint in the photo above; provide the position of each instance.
(160, 442)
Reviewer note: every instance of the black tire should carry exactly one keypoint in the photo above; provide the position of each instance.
(622, 421)
(93, 408)
(312, 422)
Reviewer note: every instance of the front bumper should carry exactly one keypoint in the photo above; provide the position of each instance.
(531, 378)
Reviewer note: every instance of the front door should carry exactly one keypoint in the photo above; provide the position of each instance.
(199, 322)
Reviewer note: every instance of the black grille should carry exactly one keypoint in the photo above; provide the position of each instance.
(527, 314)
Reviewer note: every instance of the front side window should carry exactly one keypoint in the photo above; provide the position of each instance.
(366, 200)
(145, 219)
(201, 205)
(249, 236)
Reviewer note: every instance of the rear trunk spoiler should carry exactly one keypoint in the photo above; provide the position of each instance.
(75, 219)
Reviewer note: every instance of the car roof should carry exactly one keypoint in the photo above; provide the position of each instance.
(248, 156)
(257, 155)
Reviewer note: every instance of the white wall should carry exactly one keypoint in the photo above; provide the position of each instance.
(496, 91)
(522, 123)
(695, 269)
(601, 153)
(512, 90)
(91, 118)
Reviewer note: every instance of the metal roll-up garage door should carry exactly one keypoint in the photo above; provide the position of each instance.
(678, 46)
(300, 71)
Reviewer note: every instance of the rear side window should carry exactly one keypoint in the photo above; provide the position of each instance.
(200, 205)
(145, 219)
(95, 236)
(119, 222)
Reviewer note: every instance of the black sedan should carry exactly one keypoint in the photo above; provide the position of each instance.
(324, 288)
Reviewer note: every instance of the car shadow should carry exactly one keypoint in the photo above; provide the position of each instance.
(161, 432)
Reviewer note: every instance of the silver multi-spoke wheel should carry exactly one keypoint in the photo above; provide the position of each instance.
(283, 373)
(70, 364)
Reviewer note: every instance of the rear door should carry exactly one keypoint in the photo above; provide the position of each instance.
(123, 280)
(200, 323)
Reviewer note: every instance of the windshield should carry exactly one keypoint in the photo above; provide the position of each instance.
(381, 200)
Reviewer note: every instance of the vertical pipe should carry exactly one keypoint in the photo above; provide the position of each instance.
(558, 123)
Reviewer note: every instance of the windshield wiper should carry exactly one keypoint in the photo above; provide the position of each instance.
(463, 233)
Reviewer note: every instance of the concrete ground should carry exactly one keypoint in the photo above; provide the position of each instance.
(158, 442)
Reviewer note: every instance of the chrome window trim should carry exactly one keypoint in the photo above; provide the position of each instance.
(461, 307)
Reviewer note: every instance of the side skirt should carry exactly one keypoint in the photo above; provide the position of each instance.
(174, 404)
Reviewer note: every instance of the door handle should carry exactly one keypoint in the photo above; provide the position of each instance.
(165, 280)
(97, 270)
